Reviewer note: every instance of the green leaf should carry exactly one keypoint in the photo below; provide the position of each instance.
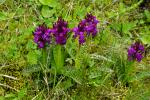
(80, 11)
(123, 27)
(22, 93)
(20, 11)
(74, 74)
(51, 3)
(15, 98)
(126, 27)
(70, 47)
(145, 39)
(100, 57)
(77, 62)
(147, 14)
(2, 1)
(58, 54)
(45, 2)
(10, 95)
(121, 7)
(32, 57)
(31, 45)
(140, 76)
(3, 16)
(47, 12)
(2, 98)
(116, 26)
(64, 85)
(11, 15)
(31, 69)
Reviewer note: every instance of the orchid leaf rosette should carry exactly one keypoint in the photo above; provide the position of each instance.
(86, 28)
(60, 30)
(42, 37)
(135, 53)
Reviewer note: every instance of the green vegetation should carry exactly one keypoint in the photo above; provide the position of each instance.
(97, 70)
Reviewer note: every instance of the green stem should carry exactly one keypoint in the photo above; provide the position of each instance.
(55, 74)
(44, 57)
(77, 62)
(129, 72)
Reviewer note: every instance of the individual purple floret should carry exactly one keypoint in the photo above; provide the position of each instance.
(86, 27)
(60, 31)
(135, 52)
(42, 36)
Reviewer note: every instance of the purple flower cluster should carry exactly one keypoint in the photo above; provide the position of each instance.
(60, 31)
(86, 27)
(42, 36)
(80, 32)
(91, 25)
(135, 52)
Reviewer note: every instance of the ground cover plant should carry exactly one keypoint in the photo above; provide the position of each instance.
(74, 49)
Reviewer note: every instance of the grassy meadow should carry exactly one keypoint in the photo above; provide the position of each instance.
(74, 50)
